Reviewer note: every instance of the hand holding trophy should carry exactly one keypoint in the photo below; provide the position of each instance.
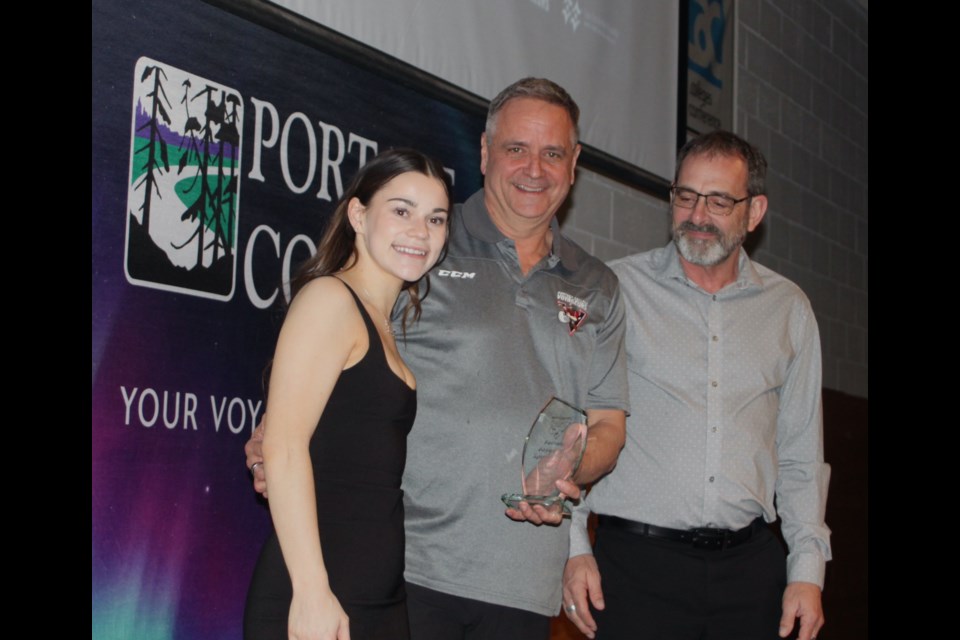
(552, 451)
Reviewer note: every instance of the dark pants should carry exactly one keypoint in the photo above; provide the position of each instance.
(657, 589)
(441, 616)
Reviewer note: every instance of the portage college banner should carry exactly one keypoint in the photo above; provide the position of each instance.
(219, 149)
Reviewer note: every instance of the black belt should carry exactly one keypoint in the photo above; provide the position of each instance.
(701, 538)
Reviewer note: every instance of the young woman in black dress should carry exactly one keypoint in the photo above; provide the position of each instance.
(340, 404)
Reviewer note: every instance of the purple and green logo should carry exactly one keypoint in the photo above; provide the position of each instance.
(183, 195)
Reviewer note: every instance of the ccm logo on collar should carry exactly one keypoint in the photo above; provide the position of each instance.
(465, 275)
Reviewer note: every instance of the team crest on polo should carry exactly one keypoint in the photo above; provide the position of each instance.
(183, 194)
(573, 310)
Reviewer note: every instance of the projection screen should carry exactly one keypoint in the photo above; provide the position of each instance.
(618, 58)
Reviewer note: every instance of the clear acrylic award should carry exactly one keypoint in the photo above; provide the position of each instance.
(552, 451)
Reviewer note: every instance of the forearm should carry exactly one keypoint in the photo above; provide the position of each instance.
(294, 512)
(606, 435)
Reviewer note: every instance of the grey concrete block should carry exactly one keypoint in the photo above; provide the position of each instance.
(821, 256)
(840, 191)
(858, 198)
(759, 56)
(813, 54)
(800, 162)
(801, 247)
(839, 265)
(777, 237)
(608, 250)
(828, 217)
(853, 88)
(799, 85)
(590, 208)
(792, 40)
(763, 257)
(835, 148)
(657, 223)
(768, 106)
(831, 72)
(747, 93)
(819, 176)
(757, 134)
(856, 266)
(862, 238)
(846, 230)
(810, 219)
(861, 166)
(812, 18)
(829, 296)
(785, 197)
(843, 41)
(820, 100)
(792, 119)
(847, 305)
(748, 13)
(632, 215)
(779, 154)
(769, 25)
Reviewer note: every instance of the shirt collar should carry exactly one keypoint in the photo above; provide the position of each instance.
(476, 220)
(668, 266)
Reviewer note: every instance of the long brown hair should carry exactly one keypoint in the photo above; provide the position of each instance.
(337, 249)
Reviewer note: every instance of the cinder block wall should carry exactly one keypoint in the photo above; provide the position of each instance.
(801, 98)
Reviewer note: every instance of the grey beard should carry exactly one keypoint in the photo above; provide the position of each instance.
(705, 253)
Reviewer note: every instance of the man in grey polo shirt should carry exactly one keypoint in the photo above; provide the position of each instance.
(516, 314)
(723, 360)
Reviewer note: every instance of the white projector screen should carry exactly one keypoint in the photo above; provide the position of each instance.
(617, 58)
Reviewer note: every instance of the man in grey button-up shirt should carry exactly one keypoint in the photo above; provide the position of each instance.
(723, 364)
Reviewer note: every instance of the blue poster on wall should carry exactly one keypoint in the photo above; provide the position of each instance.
(710, 65)
(219, 149)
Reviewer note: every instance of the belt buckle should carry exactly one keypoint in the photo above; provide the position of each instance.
(706, 538)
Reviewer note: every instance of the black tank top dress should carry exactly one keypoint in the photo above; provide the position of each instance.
(358, 452)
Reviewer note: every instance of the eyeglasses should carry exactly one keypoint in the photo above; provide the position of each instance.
(717, 204)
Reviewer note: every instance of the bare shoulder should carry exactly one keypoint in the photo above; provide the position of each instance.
(324, 306)
(326, 296)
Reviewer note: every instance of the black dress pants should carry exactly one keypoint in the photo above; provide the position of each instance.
(656, 589)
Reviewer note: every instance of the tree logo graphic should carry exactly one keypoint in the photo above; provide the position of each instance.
(183, 195)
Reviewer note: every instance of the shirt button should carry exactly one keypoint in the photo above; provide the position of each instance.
(711, 478)
(715, 338)
(713, 384)
(714, 430)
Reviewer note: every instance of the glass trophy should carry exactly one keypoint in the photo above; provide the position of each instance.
(552, 451)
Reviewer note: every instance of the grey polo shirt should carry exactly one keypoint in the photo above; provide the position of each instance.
(490, 350)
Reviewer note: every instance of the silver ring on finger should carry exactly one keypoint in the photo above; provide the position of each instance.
(571, 608)
(254, 466)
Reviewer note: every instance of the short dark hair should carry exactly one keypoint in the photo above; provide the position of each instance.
(725, 143)
(538, 89)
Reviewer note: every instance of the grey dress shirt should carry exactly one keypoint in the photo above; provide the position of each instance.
(725, 394)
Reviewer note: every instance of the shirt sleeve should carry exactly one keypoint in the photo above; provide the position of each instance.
(579, 537)
(803, 475)
(608, 366)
